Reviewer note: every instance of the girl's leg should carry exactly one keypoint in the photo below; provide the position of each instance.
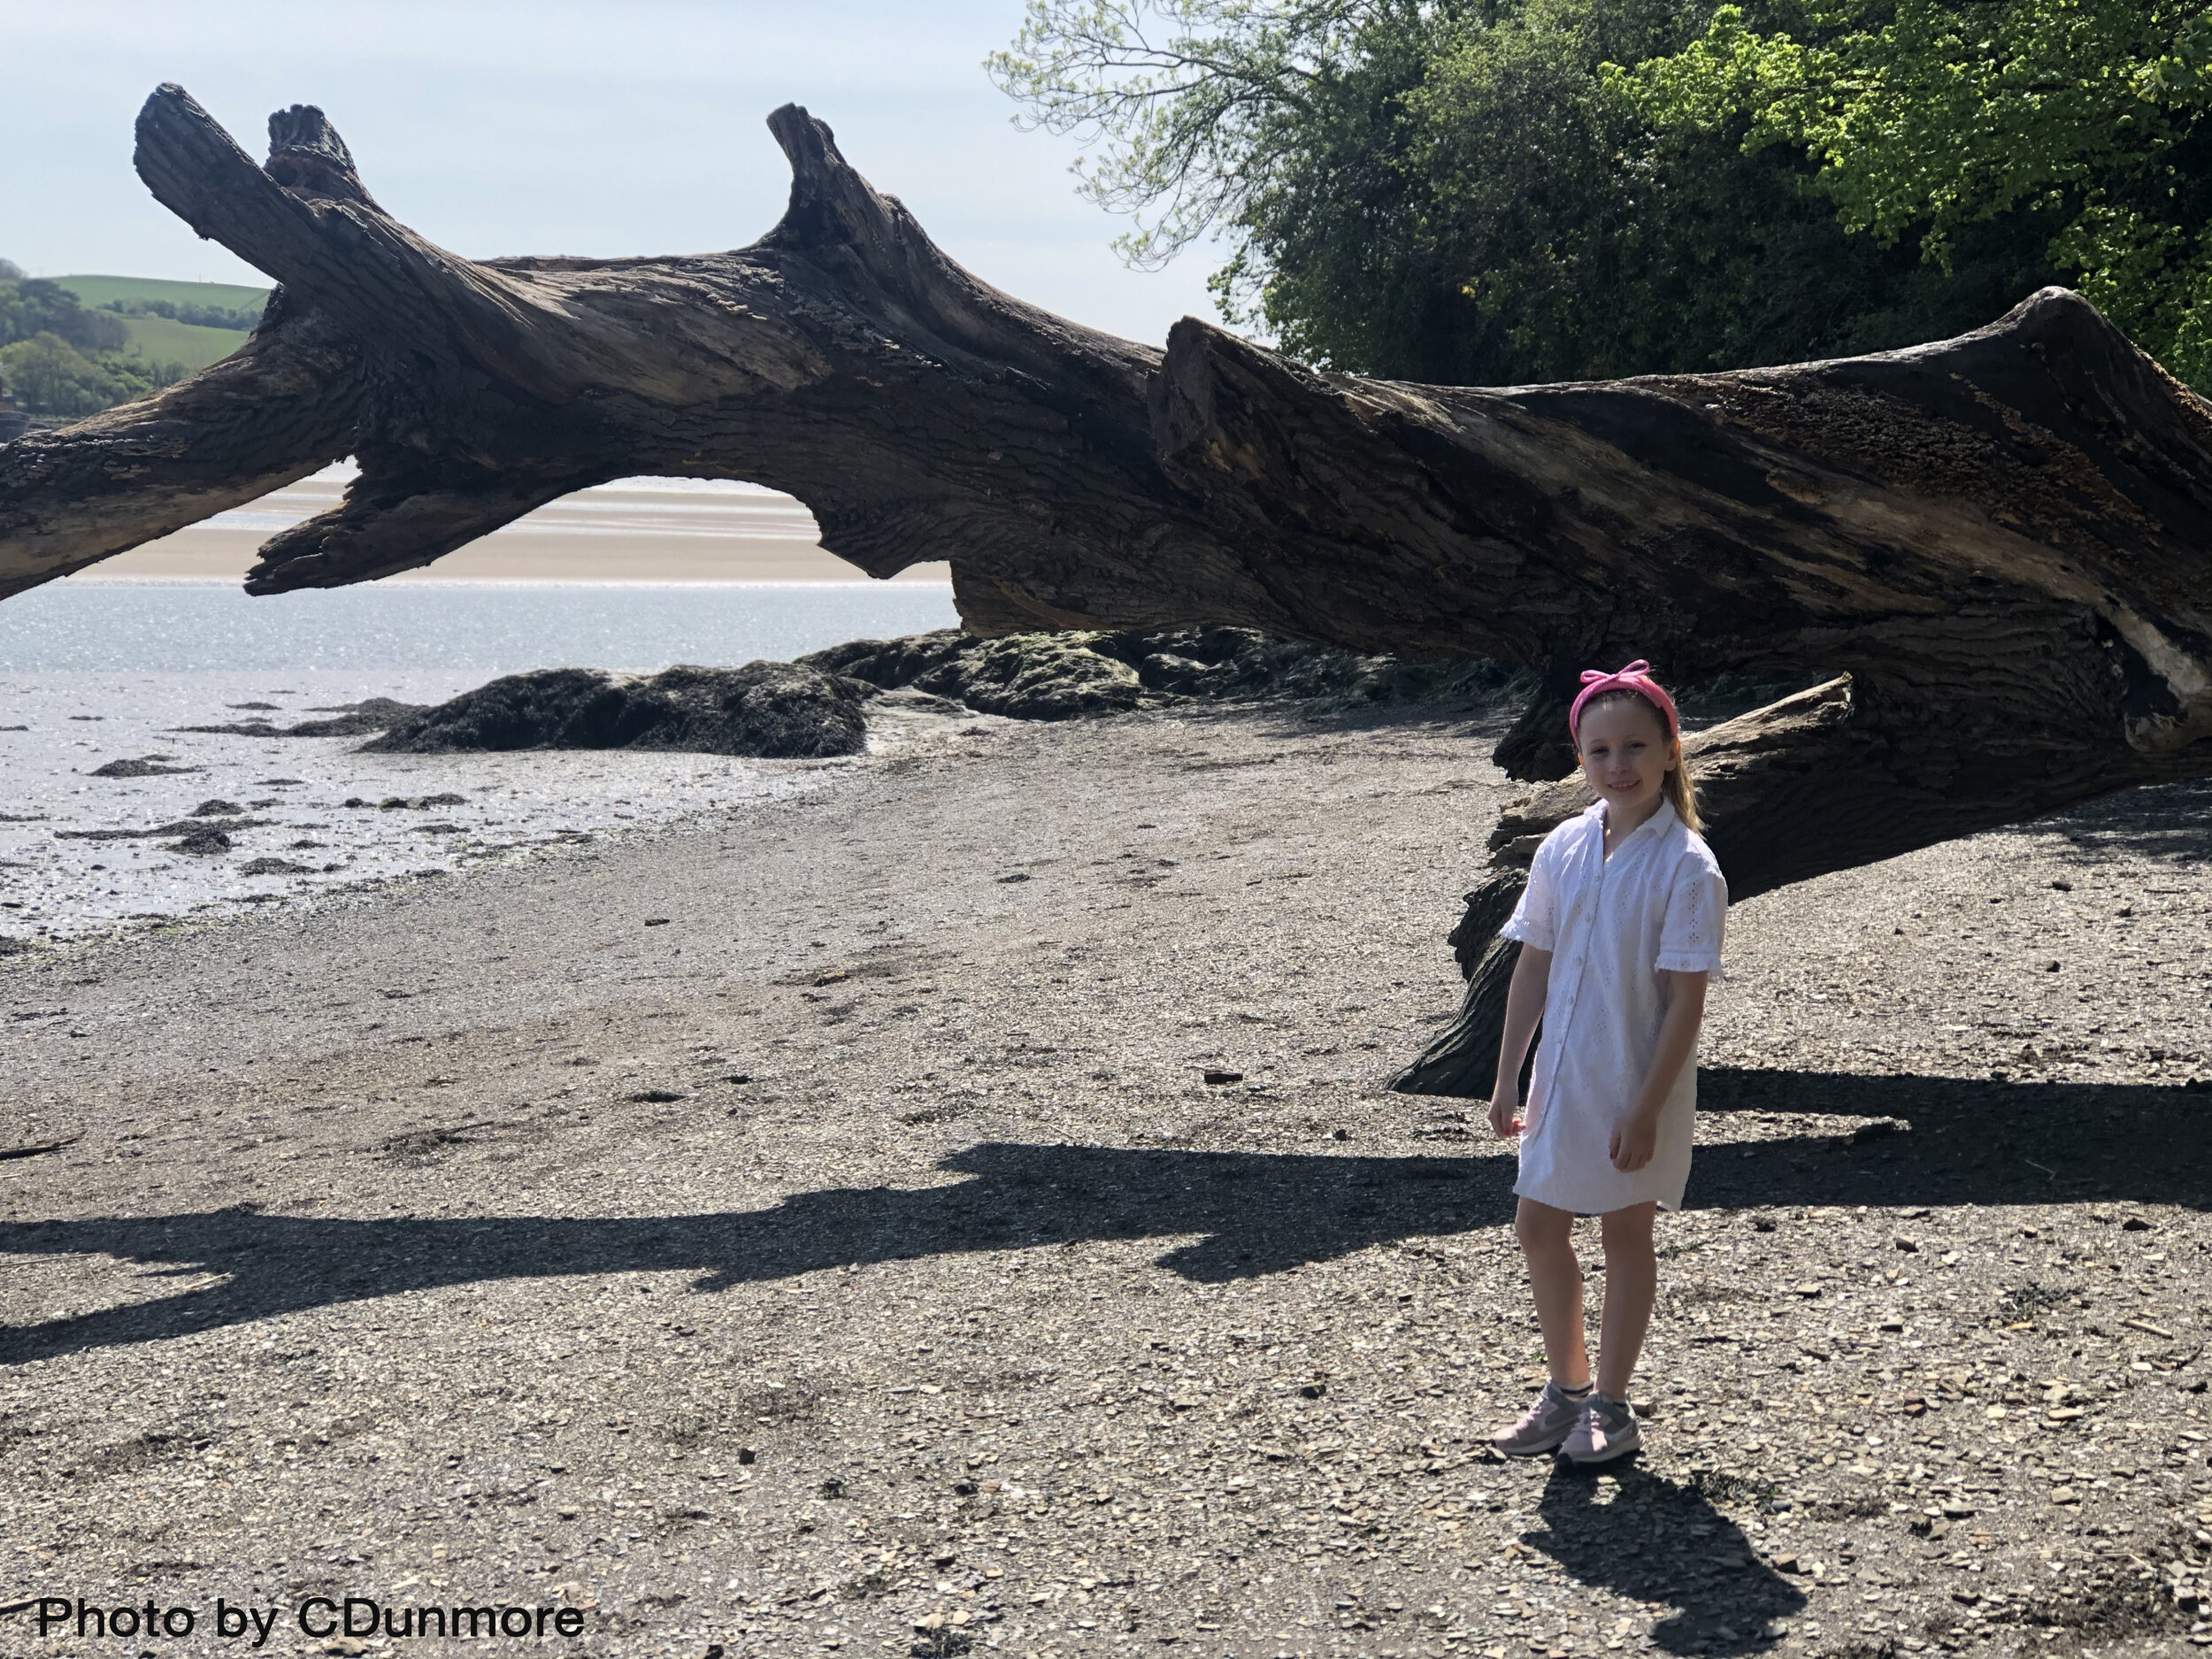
(1632, 1284)
(1555, 1278)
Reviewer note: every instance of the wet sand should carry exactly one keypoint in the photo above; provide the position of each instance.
(303, 820)
(634, 530)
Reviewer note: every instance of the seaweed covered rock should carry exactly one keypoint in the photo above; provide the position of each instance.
(1242, 663)
(1026, 676)
(764, 711)
(1057, 676)
(1037, 677)
(351, 719)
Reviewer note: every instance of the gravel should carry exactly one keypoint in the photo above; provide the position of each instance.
(784, 1232)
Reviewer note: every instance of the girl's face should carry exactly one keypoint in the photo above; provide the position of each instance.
(1626, 755)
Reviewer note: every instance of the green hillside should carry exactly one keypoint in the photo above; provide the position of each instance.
(98, 291)
(170, 339)
(158, 340)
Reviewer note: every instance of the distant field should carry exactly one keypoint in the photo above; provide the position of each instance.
(98, 291)
(158, 340)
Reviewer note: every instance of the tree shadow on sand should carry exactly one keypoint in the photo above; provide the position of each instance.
(1944, 1142)
(1652, 1539)
(2164, 822)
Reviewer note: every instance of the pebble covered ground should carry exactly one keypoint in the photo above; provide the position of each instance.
(812, 1227)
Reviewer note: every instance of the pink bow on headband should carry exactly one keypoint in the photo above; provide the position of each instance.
(1636, 678)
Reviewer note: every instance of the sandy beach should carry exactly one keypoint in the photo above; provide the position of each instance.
(956, 1208)
(640, 530)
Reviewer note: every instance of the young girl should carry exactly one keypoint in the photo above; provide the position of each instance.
(1619, 927)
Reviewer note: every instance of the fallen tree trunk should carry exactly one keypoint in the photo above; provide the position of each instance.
(2000, 539)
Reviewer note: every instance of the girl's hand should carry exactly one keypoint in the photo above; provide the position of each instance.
(1635, 1138)
(1505, 1115)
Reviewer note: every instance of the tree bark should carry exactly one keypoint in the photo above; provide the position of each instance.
(2000, 539)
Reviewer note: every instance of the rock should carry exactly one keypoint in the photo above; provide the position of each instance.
(352, 719)
(202, 843)
(888, 664)
(1039, 677)
(272, 867)
(216, 809)
(768, 710)
(1219, 1078)
(145, 767)
(1061, 676)
(186, 828)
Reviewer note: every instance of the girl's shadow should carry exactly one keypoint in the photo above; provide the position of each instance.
(1649, 1538)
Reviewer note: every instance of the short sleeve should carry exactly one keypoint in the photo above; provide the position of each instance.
(1697, 907)
(1535, 920)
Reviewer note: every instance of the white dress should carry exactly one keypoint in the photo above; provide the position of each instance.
(1611, 926)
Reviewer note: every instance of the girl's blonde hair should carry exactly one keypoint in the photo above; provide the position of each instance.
(1680, 788)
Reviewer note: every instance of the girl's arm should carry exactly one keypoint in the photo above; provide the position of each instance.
(1524, 1007)
(1637, 1134)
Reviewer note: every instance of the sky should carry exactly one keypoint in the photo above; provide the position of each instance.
(566, 127)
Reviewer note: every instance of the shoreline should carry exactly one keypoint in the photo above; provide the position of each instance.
(297, 820)
(644, 530)
(827, 1193)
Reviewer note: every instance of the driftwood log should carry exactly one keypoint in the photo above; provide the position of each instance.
(1993, 548)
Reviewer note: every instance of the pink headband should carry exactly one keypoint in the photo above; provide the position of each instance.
(1636, 678)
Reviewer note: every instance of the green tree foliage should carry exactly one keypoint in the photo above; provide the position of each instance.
(31, 306)
(1928, 119)
(48, 376)
(1198, 102)
(199, 315)
(57, 359)
(1495, 191)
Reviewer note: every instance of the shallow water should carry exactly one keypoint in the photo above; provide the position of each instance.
(94, 673)
(483, 628)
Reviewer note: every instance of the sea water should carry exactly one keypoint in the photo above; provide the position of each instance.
(480, 628)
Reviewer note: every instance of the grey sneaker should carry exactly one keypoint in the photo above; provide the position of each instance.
(1605, 1430)
(1544, 1425)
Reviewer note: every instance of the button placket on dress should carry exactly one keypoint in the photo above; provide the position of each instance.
(1578, 963)
(1576, 937)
